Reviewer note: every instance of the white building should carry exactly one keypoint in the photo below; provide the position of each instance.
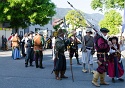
(47, 29)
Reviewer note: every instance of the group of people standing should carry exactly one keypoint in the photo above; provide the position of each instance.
(108, 55)
(32, 48)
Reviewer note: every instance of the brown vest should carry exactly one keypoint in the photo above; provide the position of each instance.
(37, 43)
(15, 41)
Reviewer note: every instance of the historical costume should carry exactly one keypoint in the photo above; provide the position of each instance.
(24, 43)
(60, 59)
(102, 48)
(15, 47)
(53, 47)
(115, 66)
(72, 43)
(4, 43)
(29, 51)
(10, 38)
(88, 50)
(38, 50)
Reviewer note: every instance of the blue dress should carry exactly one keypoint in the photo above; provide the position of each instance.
(16, 53)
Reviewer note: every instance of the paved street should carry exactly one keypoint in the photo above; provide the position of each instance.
(13, 74)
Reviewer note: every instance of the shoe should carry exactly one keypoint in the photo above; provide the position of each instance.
(120, 79)
(79, 64)
(63, 76)
(31, 65)
(26, 65)
(42, 67)
(37, 66)
(85, 71)
(58, 78)
(113, 80)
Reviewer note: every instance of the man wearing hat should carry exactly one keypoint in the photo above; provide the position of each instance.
(38, 49)
(73, 46)
(60, 59)
(88, 50)
(102, 47)
(29, 46)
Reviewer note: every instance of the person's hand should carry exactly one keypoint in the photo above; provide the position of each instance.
(109, 43)
(84, 50)
(121, 42)
(120, 61)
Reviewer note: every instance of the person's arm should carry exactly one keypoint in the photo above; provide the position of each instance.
(83, 44)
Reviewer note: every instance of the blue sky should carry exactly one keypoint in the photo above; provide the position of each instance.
(83, 5)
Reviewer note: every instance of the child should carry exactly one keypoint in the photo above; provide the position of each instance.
(115, 67)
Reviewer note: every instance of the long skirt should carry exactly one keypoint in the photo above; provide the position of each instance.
(60, 63)
(115, 69)
(16, 53)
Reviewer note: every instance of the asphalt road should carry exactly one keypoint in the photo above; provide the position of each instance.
(13, 74)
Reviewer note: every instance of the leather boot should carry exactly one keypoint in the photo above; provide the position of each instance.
(26, 63)
(31, 62)
(78, 61)
(102, 79)
(57, 75)
(36, 62)
(62, 74)
(40, 64)
(95, 79)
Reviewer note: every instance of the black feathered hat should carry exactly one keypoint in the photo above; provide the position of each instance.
(104, 30)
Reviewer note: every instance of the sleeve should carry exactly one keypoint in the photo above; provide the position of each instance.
(122, 47)
(111, 51)
(22, 39)
(9, 38)
(42, 40)
(102, 44)
(83, 43)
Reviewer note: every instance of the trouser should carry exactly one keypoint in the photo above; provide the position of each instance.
(72, 52)
(29, 56)
(38, 57)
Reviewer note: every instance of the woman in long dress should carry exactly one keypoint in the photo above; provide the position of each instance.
(15, 47)
(115, 66)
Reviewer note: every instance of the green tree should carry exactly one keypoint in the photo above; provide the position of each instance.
(74, 19)
(112, 20)
(22, 13)
(107, 4)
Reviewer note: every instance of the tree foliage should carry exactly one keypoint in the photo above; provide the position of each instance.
(112, 20)
(107, 4)
(74, 19)
(22, 13)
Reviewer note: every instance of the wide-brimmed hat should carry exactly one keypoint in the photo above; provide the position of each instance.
(89, 30)
(104, 30)
(31, 32)
(113, 37)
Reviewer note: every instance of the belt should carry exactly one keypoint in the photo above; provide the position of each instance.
(101, 53)
(88, 48)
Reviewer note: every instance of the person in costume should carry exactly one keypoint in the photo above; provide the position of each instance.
(53, 47)
(29, 46)
(102, 48)
(115, 66)
(38, 43)
(88, 50)
(60, 59)
(24, 44)
(15, 47)
(72, 44)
